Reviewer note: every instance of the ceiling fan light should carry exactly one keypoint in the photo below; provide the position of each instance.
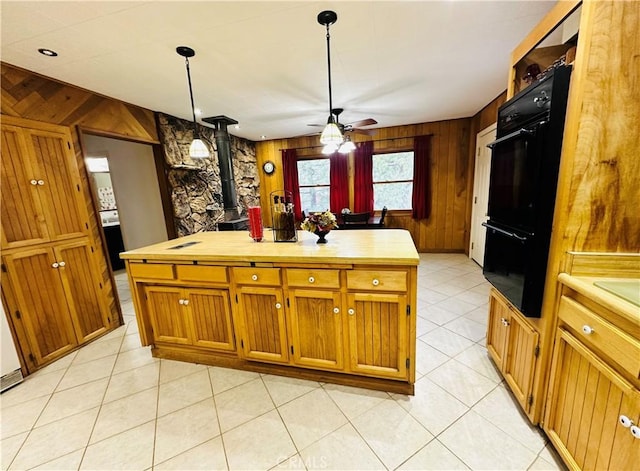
(198, 149)
(329, 149)
(347, 146)
(331, 134)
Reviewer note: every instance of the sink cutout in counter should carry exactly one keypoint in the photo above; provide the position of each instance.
(182, 246)
(629, 290)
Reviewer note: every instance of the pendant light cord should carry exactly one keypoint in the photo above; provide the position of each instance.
(329, 73)
(193, 108)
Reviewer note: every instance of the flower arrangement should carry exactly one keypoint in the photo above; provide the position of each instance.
(320, 222)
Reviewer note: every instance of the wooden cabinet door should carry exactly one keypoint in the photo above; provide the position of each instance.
(378, 335)
(83, 290)
(497, 328)
(168, 314)
(585, 401)
(316, 328)
(23, 221)
(40, 299)
(264, 333)
(58, 183)
(210, 318)
(519, 365)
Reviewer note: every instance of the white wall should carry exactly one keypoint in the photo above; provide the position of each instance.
(135, 184)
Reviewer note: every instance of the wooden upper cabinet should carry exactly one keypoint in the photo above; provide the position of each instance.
(41, 192)
(316, 328)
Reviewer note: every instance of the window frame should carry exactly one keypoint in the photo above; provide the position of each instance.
(301, 186)
(374, 182)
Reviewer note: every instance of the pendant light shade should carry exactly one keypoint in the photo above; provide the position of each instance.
(331, 133)
(197, 149)
(347, 146)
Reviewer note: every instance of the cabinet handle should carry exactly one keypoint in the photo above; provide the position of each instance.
(351, 311)
(40, 182)
(278, 305)
(625, 421)
(33, 182)
(254, 277)
(336, 310)
(55, 265)
(62, 264)
(588, 330)
(312, 279)
(180, 301)
(375, 282)
(635, 431)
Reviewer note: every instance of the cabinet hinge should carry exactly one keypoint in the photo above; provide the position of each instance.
(100, 285)
(242, 343)
(109, 320)
(288, 302)
(236, 298)
(78, 187)
(4, 268)
(536, 352)
(408, 310)
(91, 249)
(530, 399)
(69, 145)
(471, 245)
(407, 363)
(17, 314)
(86, 224)
(31, 357)
(292, 349)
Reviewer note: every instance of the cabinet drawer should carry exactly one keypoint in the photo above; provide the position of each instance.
(257, 276)
(613, 342)
(151, 270)
(201, 273)
(377, 280)
(313, 278)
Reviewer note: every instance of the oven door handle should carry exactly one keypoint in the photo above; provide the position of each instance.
(513, 135)
(513, 235)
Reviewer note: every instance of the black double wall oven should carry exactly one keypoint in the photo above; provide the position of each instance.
(524, 174)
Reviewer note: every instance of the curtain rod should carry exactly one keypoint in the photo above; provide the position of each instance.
(372, 140)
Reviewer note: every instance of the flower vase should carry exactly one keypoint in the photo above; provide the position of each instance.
(321, 236)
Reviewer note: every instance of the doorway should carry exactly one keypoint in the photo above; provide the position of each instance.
(126, 190)
(481, 194)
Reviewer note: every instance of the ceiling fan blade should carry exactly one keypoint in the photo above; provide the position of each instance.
(317, 125)
(368, 132)
(364, 122)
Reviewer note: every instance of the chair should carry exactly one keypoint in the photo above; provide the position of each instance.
(355, 220)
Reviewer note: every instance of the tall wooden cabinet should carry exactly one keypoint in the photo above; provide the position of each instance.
(51, 281)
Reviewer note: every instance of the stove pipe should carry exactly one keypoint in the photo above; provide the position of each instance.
(229, 196)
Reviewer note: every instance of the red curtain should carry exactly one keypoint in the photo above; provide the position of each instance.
(421, 197)
(363, 185)
(290, 173)
(339, 183)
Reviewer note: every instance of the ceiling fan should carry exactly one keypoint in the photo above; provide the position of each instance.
(351, 127)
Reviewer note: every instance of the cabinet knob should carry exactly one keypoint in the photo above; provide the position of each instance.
(588, 330)
(375, 282)
(55, 265)
(336, 310)
(254, 277)
(312, 279)
(504, 322)
(635, 431)
(180, 301)
(62, 264)
(186, 302)
(40, 182)
(278, 305)
(625, 421)
(33, 182)
(351, 311)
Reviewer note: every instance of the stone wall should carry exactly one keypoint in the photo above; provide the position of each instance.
(194, 184)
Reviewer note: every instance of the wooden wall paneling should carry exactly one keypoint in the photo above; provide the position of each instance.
(462, 203)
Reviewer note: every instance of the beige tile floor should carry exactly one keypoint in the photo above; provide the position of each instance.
(110, 405)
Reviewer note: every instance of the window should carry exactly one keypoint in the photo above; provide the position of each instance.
(392, 180)
(313, 178)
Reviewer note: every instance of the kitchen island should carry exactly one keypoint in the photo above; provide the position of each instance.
(342, 312)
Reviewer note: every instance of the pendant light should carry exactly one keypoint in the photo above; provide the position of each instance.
(197, 149)
(331, 133)
(347, 146)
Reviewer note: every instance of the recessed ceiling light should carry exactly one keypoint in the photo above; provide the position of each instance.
(237, 126)
(47, 52)
(263, 137)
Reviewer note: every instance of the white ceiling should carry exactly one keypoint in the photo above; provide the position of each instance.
(264, 63)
